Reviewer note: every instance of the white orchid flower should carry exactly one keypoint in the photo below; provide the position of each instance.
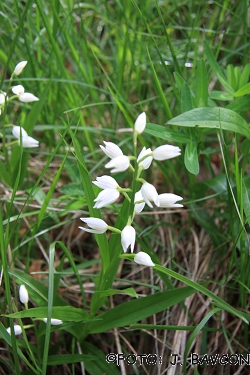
(25, 97)
(98, 226)
(111, 150)
(145, 163)
(165, 152)
(128, 238)
(119, 164)
(169, 199)
(106, 197)
(149, 194)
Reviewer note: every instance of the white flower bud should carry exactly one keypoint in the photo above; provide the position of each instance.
(17, 330)
(53, 322)
(19, 67)
(23, 294)
(140, 123)
(143, 259)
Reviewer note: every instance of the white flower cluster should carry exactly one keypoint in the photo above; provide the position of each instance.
(146, 195)
(22, 96)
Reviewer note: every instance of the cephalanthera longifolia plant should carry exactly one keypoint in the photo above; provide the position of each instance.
(7, 169)
(137, 198)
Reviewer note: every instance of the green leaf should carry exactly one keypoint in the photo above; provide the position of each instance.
(191, 158)
(100, 366)
(61, 359)
(243, 90)
(231, 76)
(201, 95)
(139, 309)
(214, 118)
(220, 95)
(162, 132)
(111, 292)
(186, 98)
(216, 68)
(179, 80)
(244, 76)
(65, 313)
(240, 104)
(246, 197)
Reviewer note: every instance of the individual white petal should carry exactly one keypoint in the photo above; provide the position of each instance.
(165, 152)
(138, 198)
(119, 164)
(145, 164)
(23, 294)
(169, 199)
(28, 142)
(106, 197)
(143, 259)
(149, 194)
(111, 150)
(18, 90)
(27, 97)
(18, 130)
(140, 123)
(53, 322)
(98, 225)
(128, 238)
(17, 330)
(19, 67)
(106, 182)
(3, 97)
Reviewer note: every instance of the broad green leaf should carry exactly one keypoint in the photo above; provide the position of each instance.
(216, 68)
(201, 95)
(136, 310)
(162, 132)
(191, 158)
(186, 98)
(65, 313)
(214, 118)
(220, 95)
(111, 292)
(243, 90)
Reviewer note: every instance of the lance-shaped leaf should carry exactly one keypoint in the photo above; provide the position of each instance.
(214, 118)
